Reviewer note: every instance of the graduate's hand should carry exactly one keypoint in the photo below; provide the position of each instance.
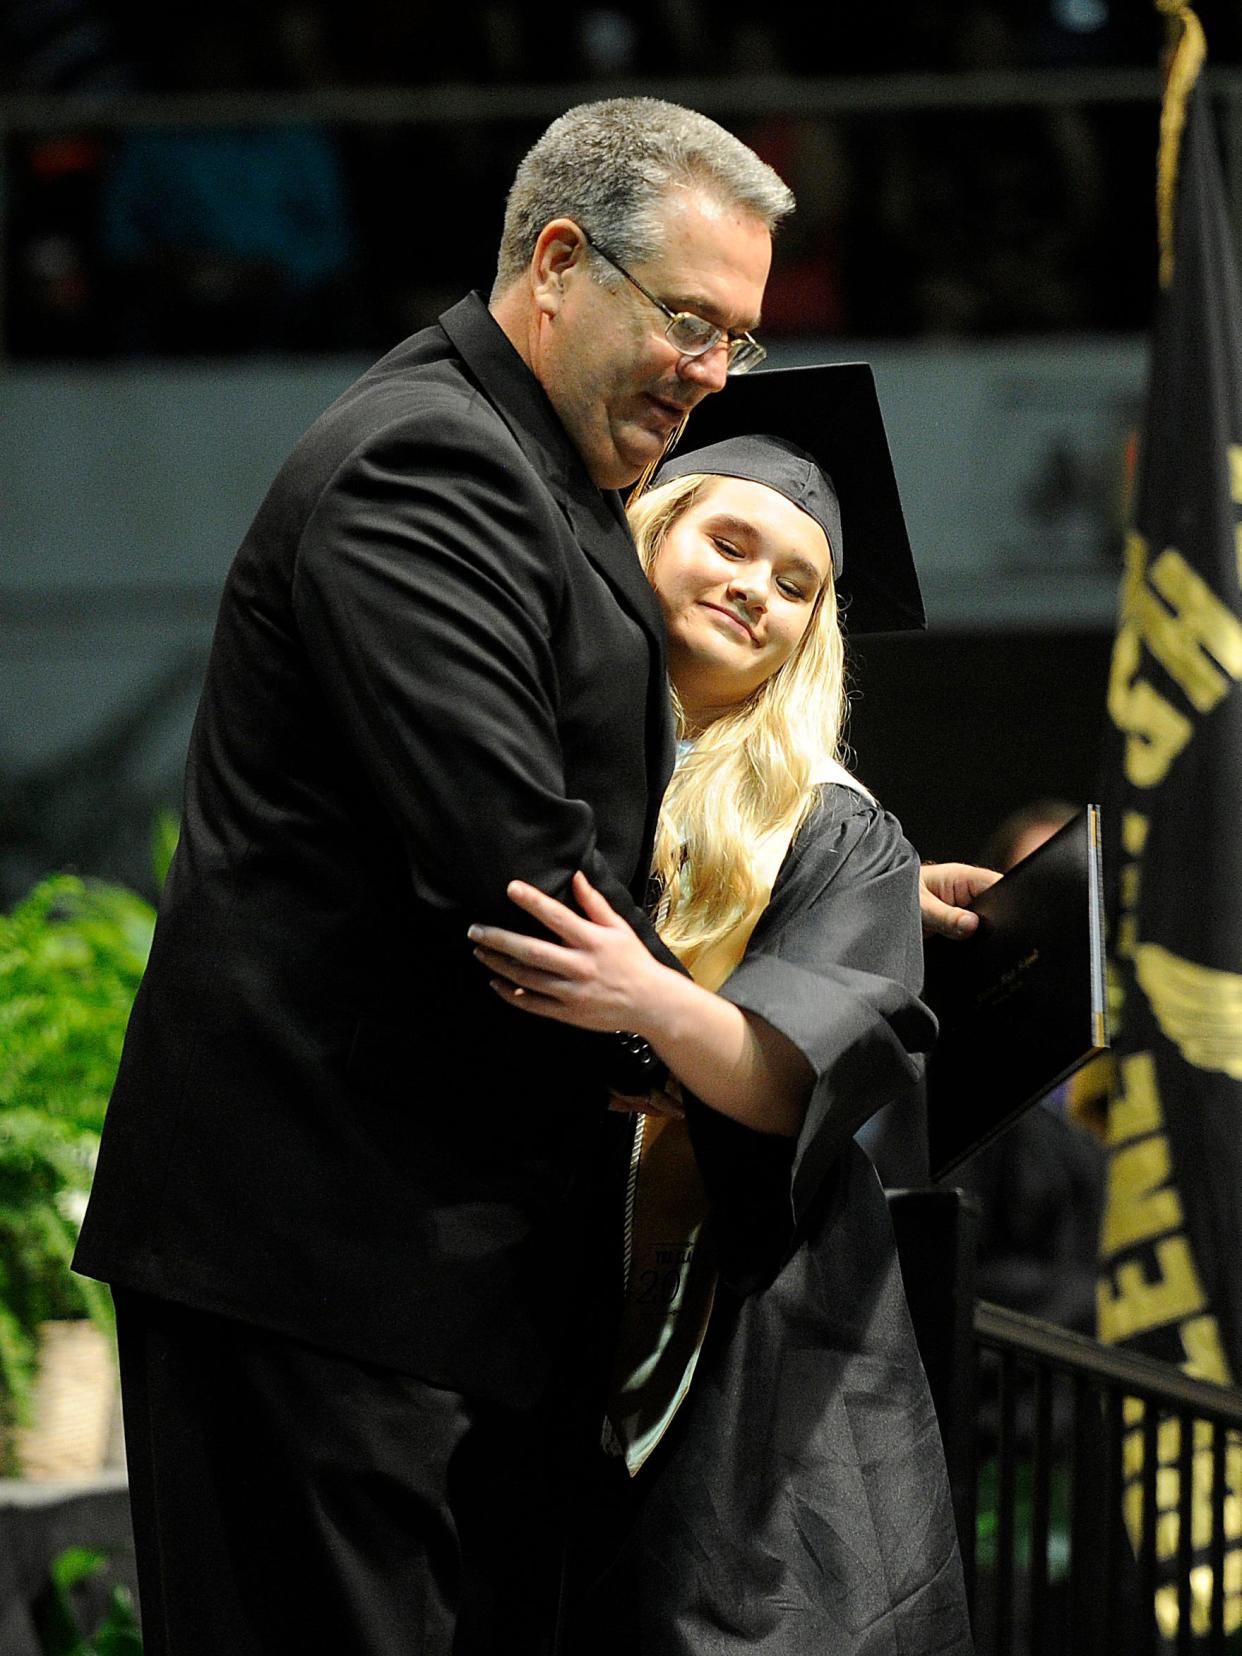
(600, 974)
(943, 888)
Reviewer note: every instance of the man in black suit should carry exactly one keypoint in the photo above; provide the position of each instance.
(348, 1202)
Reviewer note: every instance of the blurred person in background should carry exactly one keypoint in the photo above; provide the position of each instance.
(231, 237)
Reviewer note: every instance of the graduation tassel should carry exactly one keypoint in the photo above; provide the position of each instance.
(649, 470)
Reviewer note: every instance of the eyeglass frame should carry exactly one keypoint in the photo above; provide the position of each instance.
(737, 343)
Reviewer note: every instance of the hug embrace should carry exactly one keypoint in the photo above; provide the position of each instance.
(390, 1381)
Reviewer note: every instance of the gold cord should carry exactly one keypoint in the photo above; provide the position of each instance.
(1183, 70)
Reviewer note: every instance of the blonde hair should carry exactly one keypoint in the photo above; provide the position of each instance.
(751, 774)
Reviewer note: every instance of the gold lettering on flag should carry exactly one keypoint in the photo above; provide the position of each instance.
(1197, 1007)
(1150, 1281)
(1138, 1302)
(1155, 731)
(1197, 628)
(1140, 1204)
(1194, 636)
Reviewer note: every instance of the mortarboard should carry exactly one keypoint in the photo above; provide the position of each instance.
(817, 436)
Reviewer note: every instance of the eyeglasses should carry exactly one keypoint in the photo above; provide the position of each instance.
(693, 335)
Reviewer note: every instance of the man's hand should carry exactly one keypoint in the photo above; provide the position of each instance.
(943, 888)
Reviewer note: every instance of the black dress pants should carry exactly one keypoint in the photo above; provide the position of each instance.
(287, 1499)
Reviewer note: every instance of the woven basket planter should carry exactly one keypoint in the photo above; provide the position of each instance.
(75, 1404)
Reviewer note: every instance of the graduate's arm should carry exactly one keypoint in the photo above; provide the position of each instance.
(597, 975)
(835, 962)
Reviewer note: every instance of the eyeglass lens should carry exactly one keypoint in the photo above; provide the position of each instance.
(695, 336)
(691, 334)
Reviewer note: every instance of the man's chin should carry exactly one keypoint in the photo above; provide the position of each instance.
(639, 445)
(627, 462)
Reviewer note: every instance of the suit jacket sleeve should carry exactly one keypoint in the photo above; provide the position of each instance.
(427, 587)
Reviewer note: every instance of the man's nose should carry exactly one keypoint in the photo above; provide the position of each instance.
(709, 370)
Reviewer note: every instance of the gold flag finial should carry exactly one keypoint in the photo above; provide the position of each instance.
(1186, 60)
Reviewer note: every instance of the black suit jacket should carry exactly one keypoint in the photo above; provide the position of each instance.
(437, 666)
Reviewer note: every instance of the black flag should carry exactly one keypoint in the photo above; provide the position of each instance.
(1170, 1282)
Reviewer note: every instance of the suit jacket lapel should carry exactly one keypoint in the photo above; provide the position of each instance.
(595, 515)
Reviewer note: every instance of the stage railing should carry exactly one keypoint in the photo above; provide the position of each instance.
(1096, 1490)
(730, 98)
(1105, 1521)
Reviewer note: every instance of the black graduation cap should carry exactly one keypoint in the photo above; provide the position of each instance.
(817, 436)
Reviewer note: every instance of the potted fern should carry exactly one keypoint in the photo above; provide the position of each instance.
(71, 956)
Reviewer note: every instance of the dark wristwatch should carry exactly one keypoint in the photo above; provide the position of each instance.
(633, 1068)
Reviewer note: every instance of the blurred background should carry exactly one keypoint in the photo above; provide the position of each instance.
(214, 215)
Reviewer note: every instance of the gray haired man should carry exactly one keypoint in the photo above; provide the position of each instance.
(348, 1202)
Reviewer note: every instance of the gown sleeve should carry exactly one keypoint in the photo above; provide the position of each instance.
(835, 964)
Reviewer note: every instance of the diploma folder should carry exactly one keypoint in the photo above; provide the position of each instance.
(1021, 1002)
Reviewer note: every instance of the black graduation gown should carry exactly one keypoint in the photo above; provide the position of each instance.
(800, 1501)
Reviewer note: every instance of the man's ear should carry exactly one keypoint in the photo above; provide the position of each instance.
(560, 250)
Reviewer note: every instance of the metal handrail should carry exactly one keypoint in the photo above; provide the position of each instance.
(726, 97)
(1146, 1497)
(466, 104)
(1140, 1376)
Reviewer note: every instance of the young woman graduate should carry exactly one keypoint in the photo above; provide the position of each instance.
(786, 1488)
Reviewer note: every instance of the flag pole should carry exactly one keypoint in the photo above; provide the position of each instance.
(1172, 1225)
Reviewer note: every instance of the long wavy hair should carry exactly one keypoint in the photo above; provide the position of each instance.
(751, 774)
